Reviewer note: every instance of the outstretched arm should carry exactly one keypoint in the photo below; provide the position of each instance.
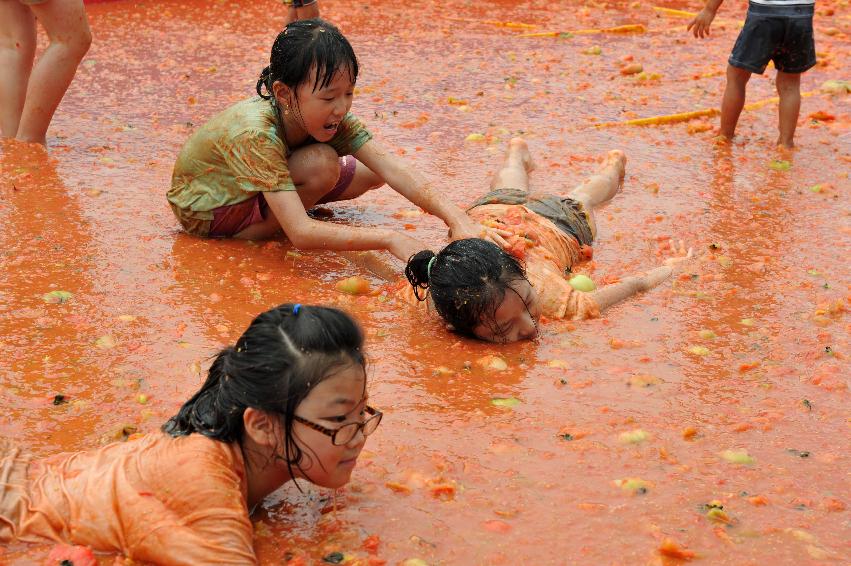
(612, 294)
(306, 233)
(703, 20)
(420, 191)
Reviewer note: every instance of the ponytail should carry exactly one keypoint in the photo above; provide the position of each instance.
(418, 271)
(203, 412)
(264, 81)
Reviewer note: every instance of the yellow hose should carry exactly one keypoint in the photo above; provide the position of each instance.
(628, 28)
(686, 116)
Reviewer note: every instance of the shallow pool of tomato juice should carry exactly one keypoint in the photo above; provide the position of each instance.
(614, 437)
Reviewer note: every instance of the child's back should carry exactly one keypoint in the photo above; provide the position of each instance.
(152, 498)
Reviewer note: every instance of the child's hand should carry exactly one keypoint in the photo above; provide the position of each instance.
(701, 23)
(404, 247)
(682, 256)
(469, 228)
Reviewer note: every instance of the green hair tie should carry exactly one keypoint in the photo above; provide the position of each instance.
(428, 267)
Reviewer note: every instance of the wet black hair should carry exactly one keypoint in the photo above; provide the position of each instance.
(306, 45)
(278, 360)
(467, 281)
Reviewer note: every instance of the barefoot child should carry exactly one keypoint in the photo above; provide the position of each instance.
(288, 401)
(29, 95)
(483, 291)
(774, 30)
(259, 165)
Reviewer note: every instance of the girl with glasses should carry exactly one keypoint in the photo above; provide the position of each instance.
(287, 402)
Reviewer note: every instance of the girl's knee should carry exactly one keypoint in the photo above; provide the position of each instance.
(316, 165)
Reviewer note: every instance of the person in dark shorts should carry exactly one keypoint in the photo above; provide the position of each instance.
(775, 30)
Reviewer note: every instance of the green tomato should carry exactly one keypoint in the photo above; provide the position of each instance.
(582, 283)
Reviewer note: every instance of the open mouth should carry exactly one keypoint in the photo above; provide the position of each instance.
(331, 127)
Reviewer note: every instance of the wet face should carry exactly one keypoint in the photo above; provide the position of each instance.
(516, 318)
(338, 400)
(323, 109)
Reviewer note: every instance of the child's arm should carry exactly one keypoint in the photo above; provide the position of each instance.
(306, 233)
(703, 20)
(419, 190)
(612, 294)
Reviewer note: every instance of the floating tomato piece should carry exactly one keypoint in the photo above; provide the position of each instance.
(371, 543)
(497, 526)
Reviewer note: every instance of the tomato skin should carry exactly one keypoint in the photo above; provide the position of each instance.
(371, 543)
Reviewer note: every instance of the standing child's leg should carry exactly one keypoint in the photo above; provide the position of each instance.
(514, 173)
(70, 37)
(734, 99)
(789, 90)
(17, 50)
(299, 10)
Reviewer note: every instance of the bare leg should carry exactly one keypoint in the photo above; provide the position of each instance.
(304, 13)
(602, 186)
(17, 50)
(315, 170)
(789, 90)
(734, 100)
(514, 173)
(309, 12)
(70, 37)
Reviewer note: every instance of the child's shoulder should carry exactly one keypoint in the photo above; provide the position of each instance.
(250, 115)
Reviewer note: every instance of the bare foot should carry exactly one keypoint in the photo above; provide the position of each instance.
(785, 145)
(617, 159)
(519, 149)
(722, 140)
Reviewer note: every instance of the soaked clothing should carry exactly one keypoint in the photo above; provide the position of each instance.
(170, 501)
(236, 155)
(782, 33)
(566, 213)
(234, 218)
(547, 235)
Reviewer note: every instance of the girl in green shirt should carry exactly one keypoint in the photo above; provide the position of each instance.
(257, 167)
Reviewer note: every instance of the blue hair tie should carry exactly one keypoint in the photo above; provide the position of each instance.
(428, 267)
(296, 308)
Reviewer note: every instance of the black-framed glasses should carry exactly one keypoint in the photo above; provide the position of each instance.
(345, 434)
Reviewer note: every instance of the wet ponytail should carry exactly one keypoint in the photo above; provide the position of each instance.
(275, 364)
(418, 270)
(264, 81)
(203, 413)
(467, 280)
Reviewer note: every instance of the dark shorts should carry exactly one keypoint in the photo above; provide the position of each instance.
(783, 34)
(233, 219)
(299, 3)
(567, 214)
